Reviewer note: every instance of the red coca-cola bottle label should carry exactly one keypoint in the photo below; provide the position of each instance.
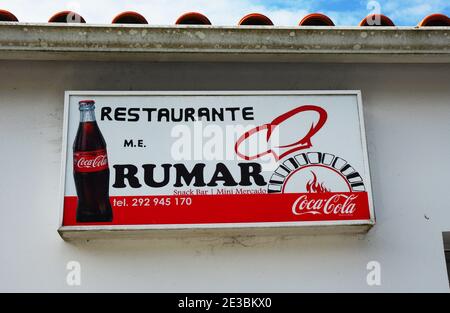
(90, 161)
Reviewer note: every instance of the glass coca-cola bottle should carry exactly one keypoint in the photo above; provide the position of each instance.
(90, 169)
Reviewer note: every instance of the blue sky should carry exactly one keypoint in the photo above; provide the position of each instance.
(347, 12)
(228, 12)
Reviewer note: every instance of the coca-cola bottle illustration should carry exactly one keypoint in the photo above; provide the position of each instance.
(90, 168)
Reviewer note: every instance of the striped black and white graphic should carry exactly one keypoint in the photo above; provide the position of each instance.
(315, 158)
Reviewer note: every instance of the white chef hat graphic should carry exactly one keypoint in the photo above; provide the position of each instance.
(287, 133)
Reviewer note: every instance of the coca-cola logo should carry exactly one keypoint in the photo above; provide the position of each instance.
(91, 161)
(99, 161)
(336, 204)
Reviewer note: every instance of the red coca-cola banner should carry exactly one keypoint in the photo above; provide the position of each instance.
(256, 208)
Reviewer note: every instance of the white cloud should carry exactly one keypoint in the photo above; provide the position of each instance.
(220, 12)
(411, 12)
(345, 18)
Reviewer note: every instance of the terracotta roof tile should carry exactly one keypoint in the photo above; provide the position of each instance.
(435, 20)
(6, 16)
(129, 17)
(376, 20)
(66, 17)
(194, 18)
(255, 19)
(316, 19)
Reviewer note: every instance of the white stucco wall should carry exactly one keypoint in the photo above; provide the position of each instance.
(407, 115)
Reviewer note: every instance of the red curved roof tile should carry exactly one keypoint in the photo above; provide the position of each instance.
(66, 17)
(129, 17)
(6, 16)
(193, 18)
(255, 19)
(376, 20)
(316, 19)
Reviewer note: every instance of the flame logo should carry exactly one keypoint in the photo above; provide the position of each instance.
(313, 186)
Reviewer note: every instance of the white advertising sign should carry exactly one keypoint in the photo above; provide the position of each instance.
(169, 160)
